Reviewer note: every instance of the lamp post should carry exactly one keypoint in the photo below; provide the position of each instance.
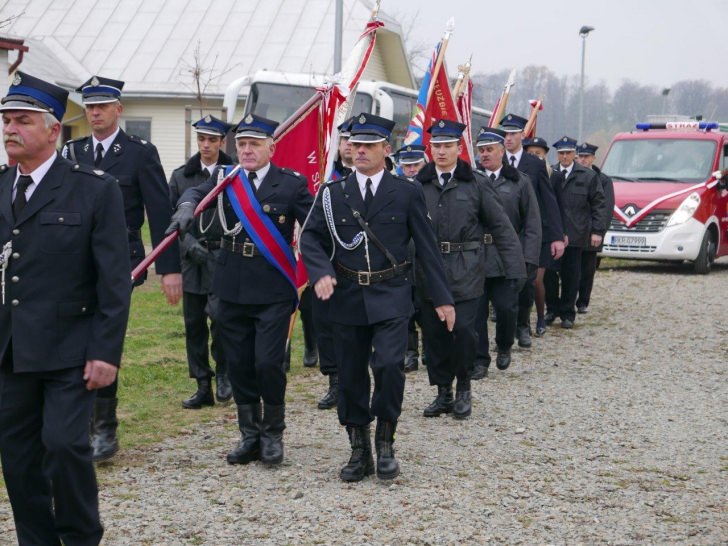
(583, 32)
(665, 93)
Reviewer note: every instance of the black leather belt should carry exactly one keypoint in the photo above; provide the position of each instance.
(247, 249)
(365, 278)
(447, 248)
(487, 239)
(134, 234)
(210, 245)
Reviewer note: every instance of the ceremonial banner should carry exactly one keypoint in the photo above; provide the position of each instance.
(464, 108)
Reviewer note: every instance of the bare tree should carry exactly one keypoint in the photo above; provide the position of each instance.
(201, 76)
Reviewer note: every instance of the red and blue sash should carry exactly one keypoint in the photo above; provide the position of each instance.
(260, 228)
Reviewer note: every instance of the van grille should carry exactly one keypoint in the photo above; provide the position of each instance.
(654, 222)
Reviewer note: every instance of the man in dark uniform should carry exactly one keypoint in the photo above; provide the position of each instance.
(355, 246)
(552, 232)
(256, 293)
(410, 159)
(199, 250)
(585, 156)
(63, 318)
(463, 209)
(583, 210)
(135, 164)
(515, 193)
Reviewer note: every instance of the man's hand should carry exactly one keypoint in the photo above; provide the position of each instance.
(324, 287)
(596, 240)
(99, 374)
(557, 249)
(182, 219)
(196, 252)
(446, 313)
(172, 287)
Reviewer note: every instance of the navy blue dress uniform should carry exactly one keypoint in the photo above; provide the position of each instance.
(136, 166)
(551, 228)
(412, 155)
(583, 210)
(66, 295)
(467, 217)
(589, 259)
(515, 193)
(199, 250)
(255, 300)
(372, 302)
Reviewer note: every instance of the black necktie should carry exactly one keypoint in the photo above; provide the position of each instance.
(492, 176)
(99, 154)
(445, 178)
(206, 172)
(368, 195)
(252, 176)
(513, 161)
(20, 201)
(565, 173)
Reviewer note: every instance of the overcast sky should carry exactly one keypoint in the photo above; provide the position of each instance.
(656, 42)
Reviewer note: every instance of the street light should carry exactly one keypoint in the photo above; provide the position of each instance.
(583, 32)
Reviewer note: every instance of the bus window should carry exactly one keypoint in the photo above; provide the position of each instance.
(275, 101)
(362, 103)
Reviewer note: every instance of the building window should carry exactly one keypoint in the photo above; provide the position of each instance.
(139, 127)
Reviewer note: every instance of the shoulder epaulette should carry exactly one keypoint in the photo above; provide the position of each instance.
(3, 168)
(138, 140)
(88, 169)
(292, 172)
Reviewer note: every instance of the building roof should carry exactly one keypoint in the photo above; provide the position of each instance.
(156, 45)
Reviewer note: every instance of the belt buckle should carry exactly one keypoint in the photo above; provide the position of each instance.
(445, 248)
(248, 250)
(363, 278)
(487, 239)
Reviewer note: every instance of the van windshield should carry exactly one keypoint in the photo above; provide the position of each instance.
(679, 160)
(279, 101)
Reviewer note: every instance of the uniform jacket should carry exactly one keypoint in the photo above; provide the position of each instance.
(551, 226)
(520, 204)
(583, 207)
(397, 214)
(136, 165)
(67, 285)
(608, 188)
(197, 278)
(284, 194)
(464, 210)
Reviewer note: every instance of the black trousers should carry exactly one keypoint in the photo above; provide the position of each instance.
(253, 338)
(450, 354)
(505, 302)
(305, 310)
(197, 309)
(586, 283)
(526, 298)
(46, 457)
(324, 335)
(561, 302)
(383, 345)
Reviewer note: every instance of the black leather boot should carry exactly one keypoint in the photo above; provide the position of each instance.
(203, 396)
(387, 465)
(105, 423)
(310, 357)
(271, 434)
(361, 462)
(443, 402)
(463, 400)
(412, 357)
(332, 396)
(249, 447)
(310, 352)
(224, 390)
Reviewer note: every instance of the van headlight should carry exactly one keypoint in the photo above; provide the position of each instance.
(685, 211)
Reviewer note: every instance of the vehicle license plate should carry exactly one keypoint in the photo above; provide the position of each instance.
(622, 240)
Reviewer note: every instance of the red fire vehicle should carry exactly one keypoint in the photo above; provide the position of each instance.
(669, 205)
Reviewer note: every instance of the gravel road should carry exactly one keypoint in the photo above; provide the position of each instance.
(615, 432)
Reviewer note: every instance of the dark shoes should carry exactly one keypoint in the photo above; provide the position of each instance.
(540, 327)
(310, 357)
(387, 465)
(248, 450)
(223, 390)
(581, 309)
(480, 371)
(361, 462)
(549, 318)
(443, 402)
(524, 337)
(103, 429)
(332, 395)
(271, 434)
(411, 362)
(203, 396)
(503, 359)
(463, 401)
(567, 324)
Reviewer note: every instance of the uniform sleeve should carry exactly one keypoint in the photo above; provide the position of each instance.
(532, 224)
(555, 182)
(608, 187)
(113, 285)
(155, 194)
(428, 255)
(550, 209)
(505, 238)
(315, 243)
(598, 204)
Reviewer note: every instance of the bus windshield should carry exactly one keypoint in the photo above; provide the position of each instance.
(279, 101)
(679, 160)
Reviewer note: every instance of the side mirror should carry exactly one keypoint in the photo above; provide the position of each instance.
(722, 178)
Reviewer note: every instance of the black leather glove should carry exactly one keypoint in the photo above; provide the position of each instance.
(518, 284)
(195, 251)
(182, 219)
